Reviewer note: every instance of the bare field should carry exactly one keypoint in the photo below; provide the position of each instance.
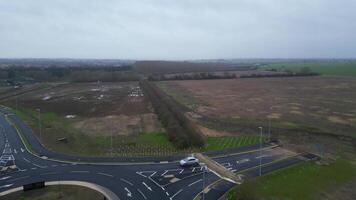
(96, 108)
(322, 104)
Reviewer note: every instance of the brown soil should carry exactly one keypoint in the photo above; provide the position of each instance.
(93, 105)
(324, 102)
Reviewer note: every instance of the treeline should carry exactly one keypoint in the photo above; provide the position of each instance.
(166, 67)
(181, 131)
(192, 76)
(75, 74)
(292, 74)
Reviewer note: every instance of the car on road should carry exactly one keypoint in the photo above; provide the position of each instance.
(189, 161)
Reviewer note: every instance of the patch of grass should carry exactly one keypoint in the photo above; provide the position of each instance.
(56, 193)
(340, 68)
(181, 97)
(304, 181)
(227, 142)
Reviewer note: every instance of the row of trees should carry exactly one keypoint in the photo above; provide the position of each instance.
(76, 74)
(182, 132)
(192, 76)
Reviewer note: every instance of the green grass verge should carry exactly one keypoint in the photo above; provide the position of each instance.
(304, 181)
(339, 68)
(219, 143)
(56, 193)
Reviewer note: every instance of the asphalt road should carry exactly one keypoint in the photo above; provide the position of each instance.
(128, 180)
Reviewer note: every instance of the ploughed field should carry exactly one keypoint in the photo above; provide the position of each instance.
(324, 105)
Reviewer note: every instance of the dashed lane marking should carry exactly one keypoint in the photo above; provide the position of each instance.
(148, 187)
(105, 174)
(195, 182)
(126, 181)
(40, 166)
(79, 171)
(129, 194)
(4, 178)
(141, 193)
(27, 160)
(5, 186)
(49, 173)
(176, 194)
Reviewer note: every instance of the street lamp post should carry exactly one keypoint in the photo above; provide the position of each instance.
(39, 122)
(260, 149)
(203, 194)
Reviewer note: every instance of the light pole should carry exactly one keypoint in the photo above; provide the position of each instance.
(260, 150)
(203, 194)
(39, 122)
(269, 129)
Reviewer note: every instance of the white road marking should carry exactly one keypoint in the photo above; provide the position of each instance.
(5, 186)
(176, 194)
(167, 193)
(54, 165)
(234, 170)
(22, 150)
(126, 181)
(27, 160)
(15, 151)
(33, 168)
(40, 166)
(79, 171)
(49, 173)
(104, 174)
(195, 182)
(4, 178)
(129, 194)
(263, 156)
(148, 187)
(242, 161)
(141, 193)
(141, 173)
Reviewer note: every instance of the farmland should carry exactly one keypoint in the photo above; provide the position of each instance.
(85, 113)
(339, 68)
(311, 104)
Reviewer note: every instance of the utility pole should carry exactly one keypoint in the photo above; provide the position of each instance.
(39, 123)
(112, 129)
(269, 129)
(203, 194)
(260, 150)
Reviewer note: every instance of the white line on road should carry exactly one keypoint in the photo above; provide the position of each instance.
(4, 178)
(195, 182)
(5, 186)
(22, 150)
(176, 194)
(126, 181)
(15, 151)
(104, 174)
(40, 166)
(129, 194)
(167, 193)
(49, 173)
(27, 160)
(33, 168)
(141, 193)
(79, 171)
(148, 187)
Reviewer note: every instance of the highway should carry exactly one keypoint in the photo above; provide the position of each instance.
(128, 180)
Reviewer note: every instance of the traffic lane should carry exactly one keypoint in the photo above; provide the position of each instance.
(218, 190)
(126, 187)
(190, 187)
(244, 161)
(265, 169)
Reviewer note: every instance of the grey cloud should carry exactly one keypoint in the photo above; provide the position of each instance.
(184, 29)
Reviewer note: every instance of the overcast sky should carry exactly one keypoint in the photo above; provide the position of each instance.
(182, 29)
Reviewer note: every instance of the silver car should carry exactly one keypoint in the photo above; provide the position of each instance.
(189, 161)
